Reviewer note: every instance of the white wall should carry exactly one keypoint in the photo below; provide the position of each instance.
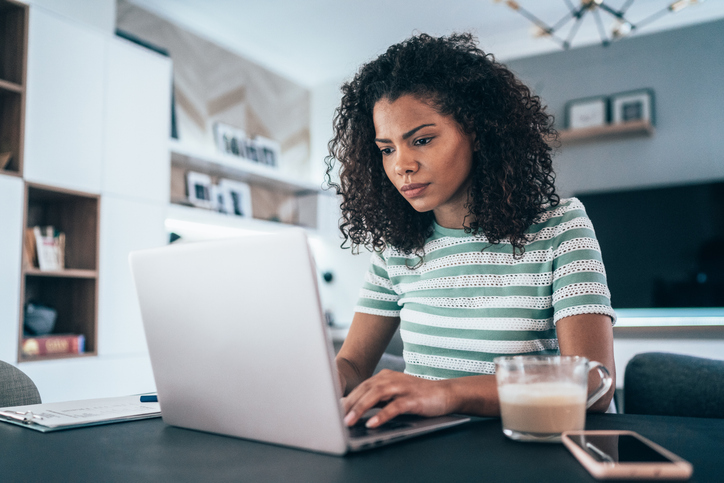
(100, 14)
(325, 98)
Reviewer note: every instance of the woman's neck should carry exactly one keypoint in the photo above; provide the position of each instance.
(452, 218)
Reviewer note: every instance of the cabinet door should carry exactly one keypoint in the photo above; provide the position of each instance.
(125, 226)
(64, 103)
(138, 119)
(11, 232)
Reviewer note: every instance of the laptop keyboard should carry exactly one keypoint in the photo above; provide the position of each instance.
(400, 422)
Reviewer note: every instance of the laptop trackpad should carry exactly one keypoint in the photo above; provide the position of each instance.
(403, 421)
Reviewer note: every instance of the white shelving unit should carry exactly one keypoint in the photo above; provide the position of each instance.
(305, 200)
(197, 224)
(218, 164)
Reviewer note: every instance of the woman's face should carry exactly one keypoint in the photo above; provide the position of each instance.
(426, 156)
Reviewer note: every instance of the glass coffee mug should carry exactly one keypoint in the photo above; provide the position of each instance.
(542, 396)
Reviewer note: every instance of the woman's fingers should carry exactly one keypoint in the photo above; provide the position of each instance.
(366, 396)
(395, 408)
(405, 393)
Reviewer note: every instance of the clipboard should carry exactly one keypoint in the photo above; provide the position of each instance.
(78, 414)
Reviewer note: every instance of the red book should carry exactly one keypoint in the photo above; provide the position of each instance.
(53, 344)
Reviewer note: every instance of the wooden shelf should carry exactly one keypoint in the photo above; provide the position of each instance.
(10, 86)
(629, 129)
(56, 356)
(67, 273)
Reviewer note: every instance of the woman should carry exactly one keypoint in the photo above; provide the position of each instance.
(446, 174)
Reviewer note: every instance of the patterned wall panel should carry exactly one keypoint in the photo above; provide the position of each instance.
(213, 84)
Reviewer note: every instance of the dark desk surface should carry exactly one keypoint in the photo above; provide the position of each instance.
(152, 451)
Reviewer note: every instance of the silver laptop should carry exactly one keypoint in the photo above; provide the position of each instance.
(239, 345)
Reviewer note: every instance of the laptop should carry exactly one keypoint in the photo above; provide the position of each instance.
(239, 345)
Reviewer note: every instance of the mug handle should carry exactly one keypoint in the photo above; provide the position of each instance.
(604, 386)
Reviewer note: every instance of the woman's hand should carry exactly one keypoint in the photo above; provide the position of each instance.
(402, 393)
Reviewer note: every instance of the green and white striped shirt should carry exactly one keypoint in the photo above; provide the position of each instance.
(463, 305)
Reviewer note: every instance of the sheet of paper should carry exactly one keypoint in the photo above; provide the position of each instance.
(85, 412)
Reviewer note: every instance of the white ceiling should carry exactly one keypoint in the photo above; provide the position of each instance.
(318, 41)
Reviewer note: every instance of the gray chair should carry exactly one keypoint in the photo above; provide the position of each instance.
(665, 384)
(16, 388)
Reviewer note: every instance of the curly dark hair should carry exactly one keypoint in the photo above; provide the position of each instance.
(512, 174)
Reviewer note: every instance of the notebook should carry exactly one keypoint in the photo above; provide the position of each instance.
(239, 345)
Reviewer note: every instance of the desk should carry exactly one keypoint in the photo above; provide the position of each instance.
(152, 451)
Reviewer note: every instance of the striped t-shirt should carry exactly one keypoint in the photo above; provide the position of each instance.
(464, 306)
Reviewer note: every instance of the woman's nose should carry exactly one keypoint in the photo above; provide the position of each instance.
(405, 163)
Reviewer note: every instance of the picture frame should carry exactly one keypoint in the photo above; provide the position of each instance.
(237, 197)
(199, 190)
(219, 196)
(251, 151)
(587, 112)
(269, 151)
(230, 140)
(632, 106)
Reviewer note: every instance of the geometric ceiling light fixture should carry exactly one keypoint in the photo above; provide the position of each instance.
(597, 9)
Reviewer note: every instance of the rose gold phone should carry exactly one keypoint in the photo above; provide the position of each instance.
(624, 455)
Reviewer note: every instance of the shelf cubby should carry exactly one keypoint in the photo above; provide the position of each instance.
(13, 48)
(73, 290)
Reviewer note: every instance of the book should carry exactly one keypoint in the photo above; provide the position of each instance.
(30, 253)
(53, 344)
(50, 248)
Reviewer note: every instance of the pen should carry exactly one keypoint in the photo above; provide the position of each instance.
(149, 398)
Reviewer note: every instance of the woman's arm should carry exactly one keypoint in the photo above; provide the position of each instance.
(590, 336)
(356, 361)
(476, 395)
(363, 347)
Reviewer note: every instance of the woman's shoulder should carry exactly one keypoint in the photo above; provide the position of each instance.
(565, 209)
(566, 216)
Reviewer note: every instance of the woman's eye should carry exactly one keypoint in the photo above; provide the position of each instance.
(385, 151)
(422, 141)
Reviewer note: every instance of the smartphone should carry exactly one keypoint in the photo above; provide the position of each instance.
(624, 455)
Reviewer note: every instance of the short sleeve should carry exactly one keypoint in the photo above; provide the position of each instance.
(579, 277)
(377, 296)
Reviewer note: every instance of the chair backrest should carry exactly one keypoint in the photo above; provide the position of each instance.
(674, 385)
(16, 388)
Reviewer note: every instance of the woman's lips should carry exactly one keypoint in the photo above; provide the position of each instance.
(413, 190)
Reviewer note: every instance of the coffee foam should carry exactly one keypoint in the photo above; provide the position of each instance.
(543, 393)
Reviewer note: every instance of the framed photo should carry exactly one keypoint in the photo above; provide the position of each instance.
(588, 112)
(218, 197)
(237, 197)
(251, 151)
(633, 106)
(269, 151)
(199, 189)
(229, 140)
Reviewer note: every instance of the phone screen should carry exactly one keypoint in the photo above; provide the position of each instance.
(618, 448)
